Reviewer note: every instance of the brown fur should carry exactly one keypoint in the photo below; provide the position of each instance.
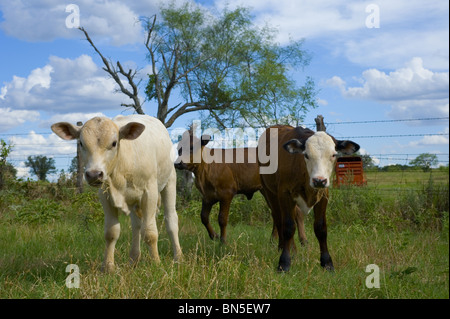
(220, 182)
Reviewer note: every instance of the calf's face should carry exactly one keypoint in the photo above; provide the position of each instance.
(320, 151)
(99, 141)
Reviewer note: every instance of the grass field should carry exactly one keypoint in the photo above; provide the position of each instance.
(46, 227)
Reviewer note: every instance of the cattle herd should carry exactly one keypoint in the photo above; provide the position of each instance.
(129, 158)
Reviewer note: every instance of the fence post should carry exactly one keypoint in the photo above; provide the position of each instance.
(320, 126)
(79, 166)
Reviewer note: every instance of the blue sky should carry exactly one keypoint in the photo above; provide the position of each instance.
(393, 72)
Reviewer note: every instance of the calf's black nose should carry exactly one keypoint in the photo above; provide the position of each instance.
(319, 182)
(94, 177)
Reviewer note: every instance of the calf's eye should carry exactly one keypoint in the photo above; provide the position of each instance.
(114, 144)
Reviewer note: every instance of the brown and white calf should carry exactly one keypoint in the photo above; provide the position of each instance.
(305, 162)
(129, 158)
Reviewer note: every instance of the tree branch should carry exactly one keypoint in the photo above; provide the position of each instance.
(186, 108)
(114, 74)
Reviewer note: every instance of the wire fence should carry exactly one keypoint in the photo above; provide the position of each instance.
(22, 147)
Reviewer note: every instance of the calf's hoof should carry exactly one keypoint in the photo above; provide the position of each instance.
(283, 268)
(108, 268)
(326, 262)
(303, 243)
(178, 257)
(284, 264)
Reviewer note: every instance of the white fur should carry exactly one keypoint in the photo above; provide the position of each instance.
(135, 173)
(320, 149)
(302, 204)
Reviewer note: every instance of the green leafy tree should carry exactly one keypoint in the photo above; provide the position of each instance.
(367, 162)
(221, 65)
(5, 167)
(41, 166)
(425, 161)
(73, 168)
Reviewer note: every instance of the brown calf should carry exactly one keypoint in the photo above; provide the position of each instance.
(305, 162)
(220, 181)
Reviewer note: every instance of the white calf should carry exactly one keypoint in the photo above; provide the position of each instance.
(129, 158)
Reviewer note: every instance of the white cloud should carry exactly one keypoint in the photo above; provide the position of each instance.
(22, 170)
(419, 109)
(3, 91)
(12, 118)
(389, 49)
(407, 28)
(69, 117)
(304, 19)
(37, 144)
(322, 102)
(114, 21)
(412, 91)
(431, 140)
(410, 82)
(63, 85)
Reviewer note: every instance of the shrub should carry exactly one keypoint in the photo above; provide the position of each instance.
(425, 207)
(40, 211)
(353, 204)
(87, 207)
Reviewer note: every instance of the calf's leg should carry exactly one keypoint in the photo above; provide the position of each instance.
(168, 195)
(286, 231)
(286, 242)
(320, 229)
(300, 221)
(111, 231)
(136, 224)
(149, 230)
(223, 218)
(206, 210)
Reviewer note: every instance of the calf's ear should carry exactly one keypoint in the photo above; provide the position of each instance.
(131, 131)
(347, 147)
(66, 130)
(294, 146)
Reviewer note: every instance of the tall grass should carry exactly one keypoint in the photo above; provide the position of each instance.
(44, 227)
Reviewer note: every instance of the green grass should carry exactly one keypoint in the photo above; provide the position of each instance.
(409, 179)
(364, 228)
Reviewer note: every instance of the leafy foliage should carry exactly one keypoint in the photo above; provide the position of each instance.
(5, 167)
(41, 166)
(225, 67)
(425, 161)
(41, 210)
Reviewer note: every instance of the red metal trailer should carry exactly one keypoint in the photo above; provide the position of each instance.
(349, 170)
